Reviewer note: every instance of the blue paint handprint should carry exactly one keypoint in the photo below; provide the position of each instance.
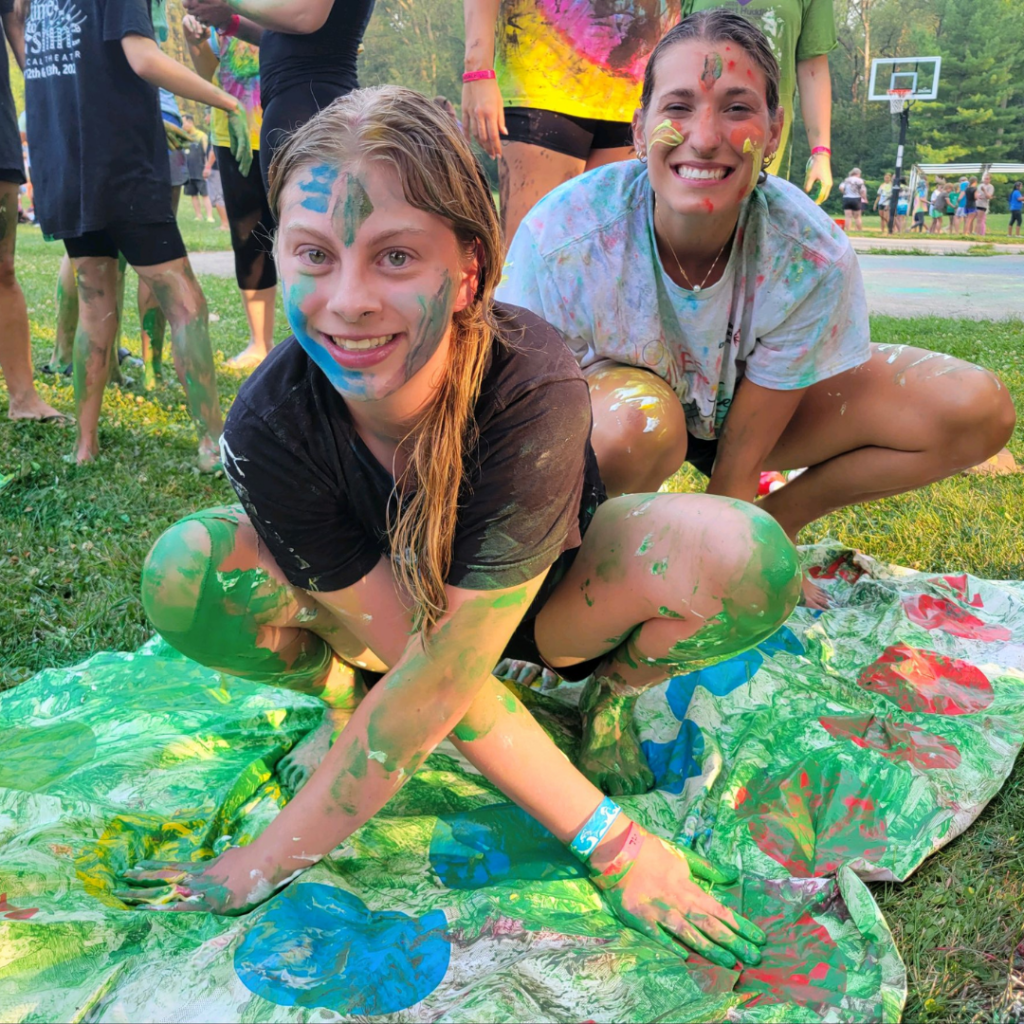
(316, 945)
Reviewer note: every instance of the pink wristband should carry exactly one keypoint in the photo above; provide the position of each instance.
(476, 76)
(232, 26)
(821, 149)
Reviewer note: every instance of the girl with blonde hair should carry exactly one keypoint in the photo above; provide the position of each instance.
(419, 500)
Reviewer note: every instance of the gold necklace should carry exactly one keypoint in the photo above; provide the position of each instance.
(686, 277)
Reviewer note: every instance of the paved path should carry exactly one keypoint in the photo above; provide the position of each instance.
(976, 287)
(929, 244)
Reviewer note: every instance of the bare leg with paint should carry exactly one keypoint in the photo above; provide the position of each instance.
(66, 301)
(153, 324)
(663, 584)
(182, 302)
(217, 597)
(15, 350)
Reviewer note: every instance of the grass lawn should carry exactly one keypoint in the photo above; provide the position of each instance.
(997, 228)
(72, 542)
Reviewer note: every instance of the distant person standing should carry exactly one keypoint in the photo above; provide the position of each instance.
(24, 402)
(920, 207)
(983, 199)
(198, 148)
(855, 194)
(1016, 208)
(308, 51)
(952, 205)
(971, 205)
(882, 198)
(936, 206)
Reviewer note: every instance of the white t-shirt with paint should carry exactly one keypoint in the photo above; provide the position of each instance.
(788, 312)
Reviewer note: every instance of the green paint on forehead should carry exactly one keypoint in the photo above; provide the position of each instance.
(348, 216)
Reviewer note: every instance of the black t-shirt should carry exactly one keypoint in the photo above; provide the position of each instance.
(972, 193)
(196, 159)
(326, 56)
(319, 499)
(99, 152)
(11, 166)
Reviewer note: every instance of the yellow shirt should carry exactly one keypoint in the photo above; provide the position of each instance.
(571, 57)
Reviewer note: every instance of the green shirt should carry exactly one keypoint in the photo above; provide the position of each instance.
(797, 30)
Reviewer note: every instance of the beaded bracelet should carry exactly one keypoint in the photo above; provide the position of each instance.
(622, 863)
(821, 149)
(476, 76)
(595, 828)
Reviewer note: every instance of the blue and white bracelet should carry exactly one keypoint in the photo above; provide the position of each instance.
(595, 829)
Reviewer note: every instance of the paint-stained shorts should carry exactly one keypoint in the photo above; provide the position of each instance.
(573, 136)
(143, 245)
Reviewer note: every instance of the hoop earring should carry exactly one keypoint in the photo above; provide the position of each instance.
(642, 157)
(762, 177)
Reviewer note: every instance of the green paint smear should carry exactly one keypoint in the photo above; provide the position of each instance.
(348, 217)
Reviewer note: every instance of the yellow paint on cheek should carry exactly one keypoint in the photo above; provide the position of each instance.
(667, 134)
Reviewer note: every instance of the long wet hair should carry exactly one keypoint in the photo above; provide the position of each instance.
(439, 175)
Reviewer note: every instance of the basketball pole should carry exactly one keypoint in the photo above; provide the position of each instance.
(894, 197)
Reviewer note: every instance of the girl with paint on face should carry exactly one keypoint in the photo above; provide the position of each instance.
(419, 500)
(719, 316)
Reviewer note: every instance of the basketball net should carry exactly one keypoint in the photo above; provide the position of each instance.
(897, 98)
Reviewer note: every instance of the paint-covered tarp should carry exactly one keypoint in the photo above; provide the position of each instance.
(849, 746)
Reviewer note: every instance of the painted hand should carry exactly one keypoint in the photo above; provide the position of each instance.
(819, 169)
(230, 884)
(210, 12)
(195, 31)
(660, 898)
(241, 142)
(525, 673)
(176, 137)
(483, 115)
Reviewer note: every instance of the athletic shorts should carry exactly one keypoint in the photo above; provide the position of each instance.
(851, 204)
(574, 136)
(12, 167)
(195, 187)
(1015, 217)
(179, 167)
(972, 209)
(216, 189)
(143, 245)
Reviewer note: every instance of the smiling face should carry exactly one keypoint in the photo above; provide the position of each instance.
(370, 282)
(707, 127)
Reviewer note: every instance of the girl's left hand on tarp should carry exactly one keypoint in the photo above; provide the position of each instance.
(230, 884)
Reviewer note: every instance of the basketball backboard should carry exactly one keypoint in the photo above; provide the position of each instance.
(918, 74)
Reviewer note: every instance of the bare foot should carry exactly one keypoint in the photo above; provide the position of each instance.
(296, 767)
(87, 450)
(610, 754)
(248, 359)
(814, 597)
(209, 456)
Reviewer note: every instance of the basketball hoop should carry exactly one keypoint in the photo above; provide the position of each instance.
(897, 98)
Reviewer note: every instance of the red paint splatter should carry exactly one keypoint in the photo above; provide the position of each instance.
(730, 65)
(958, 584)
(814, 818)
(14, 913)
(842, 568)
(708, 205)
(918, 680)
(942, 613)
(895, 741)
(798, 965)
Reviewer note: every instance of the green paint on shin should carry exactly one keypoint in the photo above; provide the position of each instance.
(214, 616)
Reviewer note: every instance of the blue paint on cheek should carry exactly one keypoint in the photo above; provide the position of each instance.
(317, 188)
(677, 760)
(318, 946)
(719, 679)
(348, 383)
(496, 844)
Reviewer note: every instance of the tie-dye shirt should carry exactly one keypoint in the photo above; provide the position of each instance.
(788, 312)
(583, 58)
(238, 74)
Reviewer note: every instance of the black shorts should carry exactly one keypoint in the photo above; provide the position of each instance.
(143, 245)
(573, 136)
(195, 187)
(12, 168)
(252, 225)
(851, 204)
(287, 111)
(1015, 217)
